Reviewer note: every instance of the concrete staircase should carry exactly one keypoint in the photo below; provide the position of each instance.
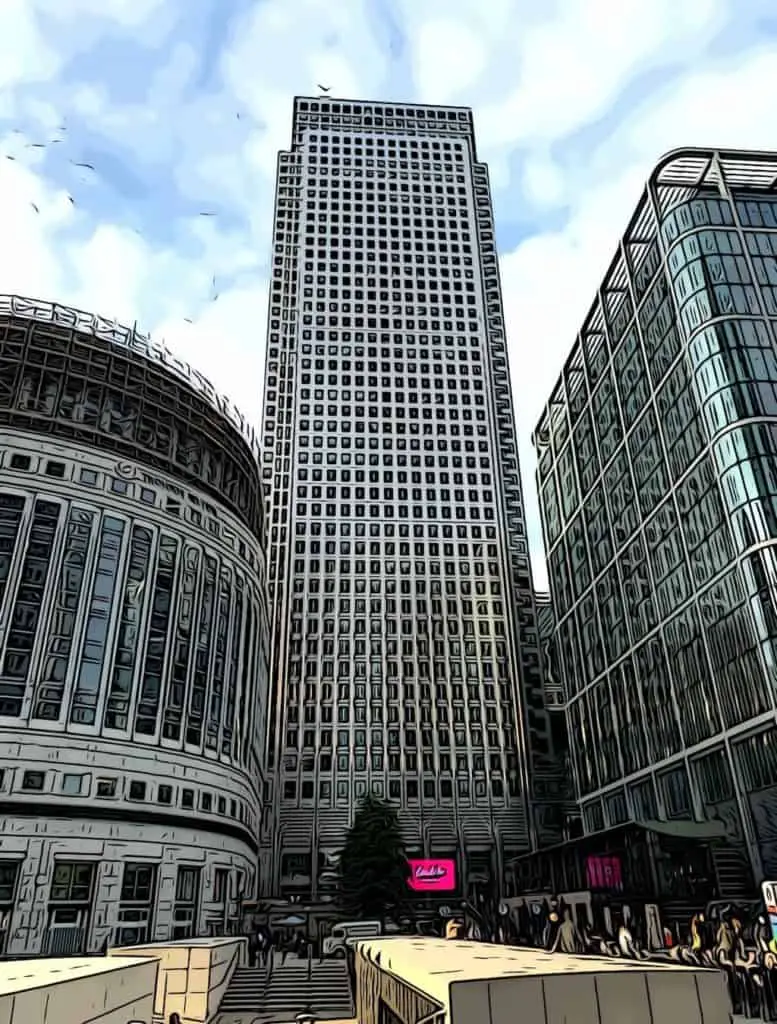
(279, 994)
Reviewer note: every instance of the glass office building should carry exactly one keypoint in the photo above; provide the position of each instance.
(658, 482)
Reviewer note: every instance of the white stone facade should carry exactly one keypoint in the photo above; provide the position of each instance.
(133, 649)
(37, 843)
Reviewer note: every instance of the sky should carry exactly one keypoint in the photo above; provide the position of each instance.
(179, 107)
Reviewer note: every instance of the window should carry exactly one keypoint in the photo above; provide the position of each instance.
(62, 624)
(72, 785)
(20, 462)
(187, 799)
(137, 790)
(25, 616)
(187, 889)
(106, 788)
(83, 708)
(677, 793)
(138, 564)
(33, 781)
(136, 904)
(72, 882)
(165, 794)
(9, 870)
(220, 885)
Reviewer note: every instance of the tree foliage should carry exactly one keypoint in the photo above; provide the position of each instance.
(373, 869)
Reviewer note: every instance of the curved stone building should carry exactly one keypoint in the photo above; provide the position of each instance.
(133, 640)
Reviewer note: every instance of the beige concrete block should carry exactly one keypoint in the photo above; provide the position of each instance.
(175, 1003)
(469, 1002)
(623, 998)
(512, 1000)
(713, 997)
(6, 1009)
(571, 997)
(32, 1005)
(673, 996)
(176, 981)
(196, 1005)
(175, 958)
(200, 956)
(198, 980)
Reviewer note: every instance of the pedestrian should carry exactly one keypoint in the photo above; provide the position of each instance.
(552, 926)
(626, 945)
(567, 938)
(253, 947)
(762, 934)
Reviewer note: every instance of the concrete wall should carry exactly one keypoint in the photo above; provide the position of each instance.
(481, 983)
(649, 997)
(193, 975)
(77, 991)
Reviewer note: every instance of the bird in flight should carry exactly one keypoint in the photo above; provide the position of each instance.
(35, 207)
(186, 320)
(72, 200)
(36, 145)
(207, 214)
(325, 88)
(87, 166)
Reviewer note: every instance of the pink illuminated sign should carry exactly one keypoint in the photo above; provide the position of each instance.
(604, 873)
(432, 875)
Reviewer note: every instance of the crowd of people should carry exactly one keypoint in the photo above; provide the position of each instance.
(263, 943)
(745, 950)
(728, 939)
(741, 946)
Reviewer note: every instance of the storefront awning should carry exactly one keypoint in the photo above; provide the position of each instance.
(686, 829)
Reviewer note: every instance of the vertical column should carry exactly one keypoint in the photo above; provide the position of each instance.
(28, 922)
(107, 889)
(163, 918)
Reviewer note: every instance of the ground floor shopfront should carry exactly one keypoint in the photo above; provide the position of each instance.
(679, 867)
(76, 887)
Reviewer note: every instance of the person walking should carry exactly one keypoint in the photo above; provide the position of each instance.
(253, 947)
(551, 930)
(568, 939)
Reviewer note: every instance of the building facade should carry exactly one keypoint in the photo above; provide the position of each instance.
(133, 641)
(659, 506)
(406, 658)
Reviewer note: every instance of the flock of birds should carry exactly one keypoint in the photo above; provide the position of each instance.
(62, 129)
(85, 166)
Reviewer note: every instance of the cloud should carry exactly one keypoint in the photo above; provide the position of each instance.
(449, 57)
(550, 279)
(184, 113)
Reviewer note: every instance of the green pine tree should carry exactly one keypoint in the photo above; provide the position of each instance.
(373, 869)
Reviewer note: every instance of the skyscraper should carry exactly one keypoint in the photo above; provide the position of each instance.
(659, 503)
(405, 656)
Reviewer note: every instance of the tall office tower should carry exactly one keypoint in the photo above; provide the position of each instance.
(659, 504)
(406, 656)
